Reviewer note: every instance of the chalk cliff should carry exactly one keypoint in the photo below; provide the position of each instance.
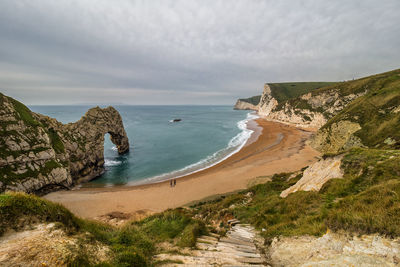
(242, 105)
(250, 103)
(39, 154)
(358, 113)
(310, 110)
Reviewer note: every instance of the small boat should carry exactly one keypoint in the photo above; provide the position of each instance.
(176, 120)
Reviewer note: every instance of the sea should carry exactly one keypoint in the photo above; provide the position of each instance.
(161, 149)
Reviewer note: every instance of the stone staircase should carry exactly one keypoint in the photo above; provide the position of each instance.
(237, 248)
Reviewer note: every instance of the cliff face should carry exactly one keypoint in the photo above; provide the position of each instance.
(38, 153)
(359, 113)
(241, 105)
(250, 103)
(310, 110)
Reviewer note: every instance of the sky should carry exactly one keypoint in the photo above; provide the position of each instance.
(161, 52)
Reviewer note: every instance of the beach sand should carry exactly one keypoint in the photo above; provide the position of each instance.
(273, 148)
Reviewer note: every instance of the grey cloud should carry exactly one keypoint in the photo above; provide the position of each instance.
(187, 52)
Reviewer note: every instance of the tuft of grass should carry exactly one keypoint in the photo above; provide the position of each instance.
(18, 209)
(190, 233)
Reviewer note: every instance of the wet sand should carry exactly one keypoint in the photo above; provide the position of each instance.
(273, 148)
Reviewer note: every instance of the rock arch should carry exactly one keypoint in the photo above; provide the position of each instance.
(40, 154)
(84, 141)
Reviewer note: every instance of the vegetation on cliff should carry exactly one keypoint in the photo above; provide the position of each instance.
(377, 112)
(284, 91)
(40, 154)
(254, 100)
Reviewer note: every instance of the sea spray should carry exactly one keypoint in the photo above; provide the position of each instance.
(109, 163)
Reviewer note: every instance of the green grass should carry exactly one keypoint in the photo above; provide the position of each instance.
(254, 100)
(284, 91)
(55, 140)
(365, 201)
(18, 209)
(134, 244)
(374, 111)
(24, 113)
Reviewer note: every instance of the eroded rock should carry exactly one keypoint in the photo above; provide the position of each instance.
(335, 249)
(38, 153)
(316, 175)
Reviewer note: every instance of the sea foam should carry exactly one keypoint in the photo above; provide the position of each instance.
(110, 163)
(234, 145)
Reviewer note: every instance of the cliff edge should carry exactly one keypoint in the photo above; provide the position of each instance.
(250, 103)
(40, 154)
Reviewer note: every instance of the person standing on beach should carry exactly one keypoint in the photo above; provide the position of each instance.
(174, 182)
(170, 183)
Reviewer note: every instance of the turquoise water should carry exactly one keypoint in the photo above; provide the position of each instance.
(161, 149)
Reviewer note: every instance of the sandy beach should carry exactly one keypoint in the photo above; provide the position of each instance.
(273, 148)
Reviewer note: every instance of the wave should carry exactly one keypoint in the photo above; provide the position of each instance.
(110, 163)
(114, 148)
(234, 145)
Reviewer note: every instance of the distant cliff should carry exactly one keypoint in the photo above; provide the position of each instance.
(38, 153)
(250, 103)
(280, 102)
(359, 113)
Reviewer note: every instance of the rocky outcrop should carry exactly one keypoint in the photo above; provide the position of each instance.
(267, 102)
(336, 137)
(47, 245)
(38, 153)
(335, 249)
(242, 105)
(316, 175)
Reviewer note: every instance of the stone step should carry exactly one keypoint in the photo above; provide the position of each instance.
(206, 241)
(228, 255)
(247, 265)
(243, 231)
(251, 260)
(240, 237)
(237, 248)
(214, 235)
(236, 241)
(248, 255)
(226, 247)
(206, 247)
(206, 237)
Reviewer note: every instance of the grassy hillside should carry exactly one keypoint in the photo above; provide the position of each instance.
(131, 245)
(377, 112)
(285, 91)
(254, 100)
(365, 201)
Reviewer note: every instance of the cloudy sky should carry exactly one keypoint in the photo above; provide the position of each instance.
(187, 52)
